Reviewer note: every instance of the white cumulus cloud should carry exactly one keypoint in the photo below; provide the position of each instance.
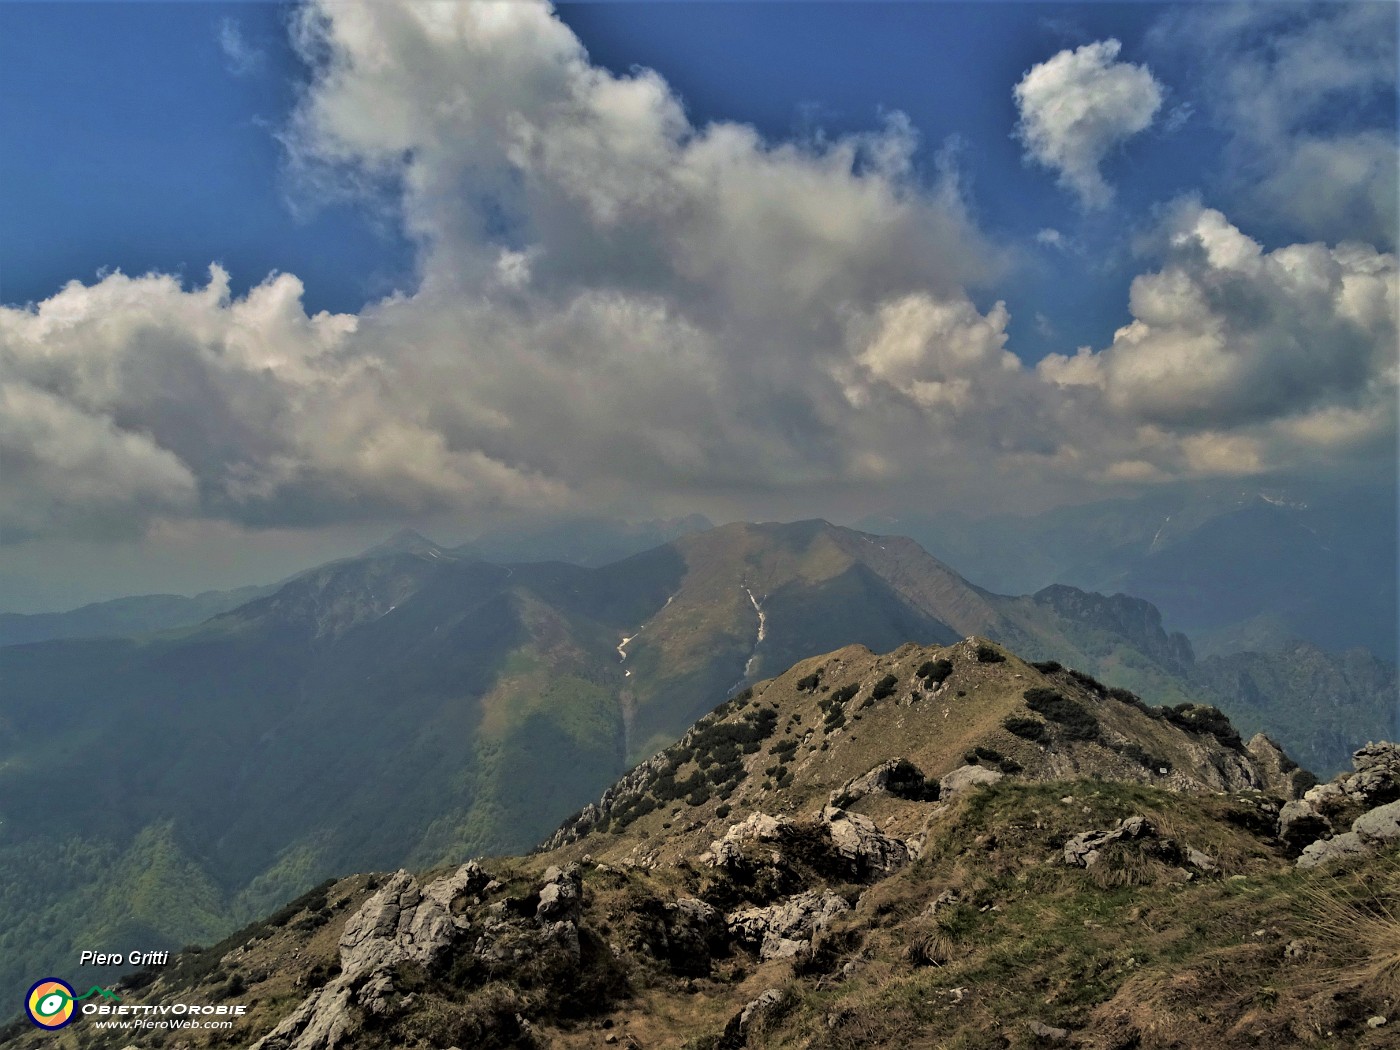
(1077, 106)
(618, 309)
(1248, 356)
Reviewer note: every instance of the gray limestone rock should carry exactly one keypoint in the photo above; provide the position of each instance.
(1202, 862)
(560, 899)
(323, 1021)
(1377, 777)
(1048, 1033)
(869, 850)
(757, 827)
(1348, 844)
(965, 777)
(1325, 798)
(1374, 787)
(371, 937)
(694, 910)
(736, 1032)
(784, 929)
(1083, 850)
(771, 997)
(374, 993)
(401, 922)
(1380, 825)
(1299, 823)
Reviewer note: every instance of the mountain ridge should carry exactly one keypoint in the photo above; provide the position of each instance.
(1220, 561)
(493, 699)
(799, 880)
(122, 617)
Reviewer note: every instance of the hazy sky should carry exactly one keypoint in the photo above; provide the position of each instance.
(279, 278)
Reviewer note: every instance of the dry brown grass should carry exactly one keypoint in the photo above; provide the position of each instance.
(1126, 864)
(1360, 924)
(931, 948)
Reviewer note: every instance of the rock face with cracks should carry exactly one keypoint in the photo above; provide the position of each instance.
(868, 850)
(783, 930)
(1369, 794)
(402, 923)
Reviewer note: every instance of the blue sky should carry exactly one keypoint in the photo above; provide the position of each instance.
(747, 259)
(143, 149)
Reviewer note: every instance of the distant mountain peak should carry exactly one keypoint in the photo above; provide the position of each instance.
(405, 541)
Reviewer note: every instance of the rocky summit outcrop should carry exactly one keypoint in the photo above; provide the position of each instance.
(402, 922)
(561, 896)
(728, 852)
(405, 922)
(783, 930)
(1367, 798)
(843, 842)
(844, 845)
(868, 851)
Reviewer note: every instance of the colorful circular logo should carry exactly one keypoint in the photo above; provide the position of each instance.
(50, 1003)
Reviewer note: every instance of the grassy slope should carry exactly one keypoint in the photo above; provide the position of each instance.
(270, 760)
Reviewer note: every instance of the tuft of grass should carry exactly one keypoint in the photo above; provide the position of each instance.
(1364, 921)
(930, 948)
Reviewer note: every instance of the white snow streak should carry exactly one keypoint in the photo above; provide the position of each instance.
(1153, 545)
(762, 631)
(762, 616)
